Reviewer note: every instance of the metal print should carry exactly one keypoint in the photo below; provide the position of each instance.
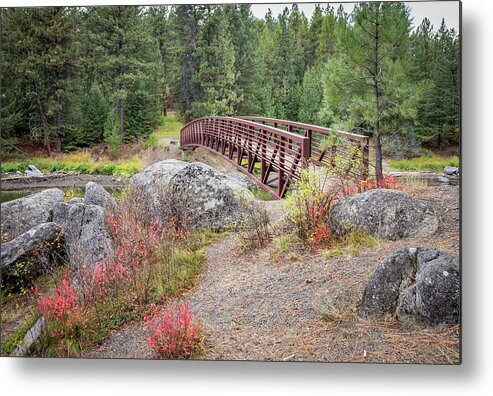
(232, 182)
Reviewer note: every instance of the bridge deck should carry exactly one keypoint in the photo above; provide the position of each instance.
(273, 152)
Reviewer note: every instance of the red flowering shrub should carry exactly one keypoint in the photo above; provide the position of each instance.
(321, 235)
(62, 306)
(173, 333)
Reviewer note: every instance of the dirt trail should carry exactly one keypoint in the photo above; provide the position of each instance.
(265, 305)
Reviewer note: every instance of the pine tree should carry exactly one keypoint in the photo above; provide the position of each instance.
(185, 64)
(39, 46)
(369, 87)
(217, 75)
(442, 110)
(252, 87)
(311, 97)
(94, 109)
(115, 45)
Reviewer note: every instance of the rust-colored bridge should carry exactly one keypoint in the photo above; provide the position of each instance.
(273, 152)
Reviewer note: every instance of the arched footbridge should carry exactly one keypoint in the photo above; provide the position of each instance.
(273, 152)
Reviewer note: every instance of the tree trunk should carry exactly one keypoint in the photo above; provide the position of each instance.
(44, 127)
(378, 158)
(122, 131)
(378, 93)
(58, 139)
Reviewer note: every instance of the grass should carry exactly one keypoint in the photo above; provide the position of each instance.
(15, 339)
(333, 252)
(427, 163)
(81, 161)
(261, 194)
(169, 127)
(358, 239)
(285, 243)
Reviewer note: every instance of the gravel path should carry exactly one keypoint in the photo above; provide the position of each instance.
(266, 306)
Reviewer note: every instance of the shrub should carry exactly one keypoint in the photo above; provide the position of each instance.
(63, 309)
(152, 141)
(308, 205)
(254, 228)
(174, 333)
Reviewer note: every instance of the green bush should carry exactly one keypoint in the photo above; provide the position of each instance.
(152, 141)
(106, 169)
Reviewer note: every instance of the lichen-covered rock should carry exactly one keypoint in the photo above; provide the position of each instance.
(207, 198)
(419, 285)
(20, 215)
(76, 200)
(435, 297)
(38, 237)
(382, 213)
(87, 240)
(390, 278)
(150, 184)
(97, 195)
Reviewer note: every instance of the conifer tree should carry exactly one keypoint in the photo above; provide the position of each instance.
(115, 46)
(368, 86)
(217, 76)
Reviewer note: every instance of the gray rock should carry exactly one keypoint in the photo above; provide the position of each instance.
(75, 200)
(97, 195)
(33, 171)
(383, 213)
(435, 297)
(207, 198)
(20, 215)
(87, 240)
(390, 278)
(150, 184)
(38, 237)
(451, 170)
(419, 285)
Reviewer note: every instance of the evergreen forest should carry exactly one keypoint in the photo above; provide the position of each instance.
(77, 76)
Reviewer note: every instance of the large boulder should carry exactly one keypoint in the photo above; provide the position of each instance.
(38, 238)
(149, 185)
(391, 277)
(206, 198)
(418, 285)
(435, 297)
(87, 239)
(383, 213)
(20, 215)
(97, 195)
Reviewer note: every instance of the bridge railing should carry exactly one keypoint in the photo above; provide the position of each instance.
(258, 149)
(347, 152)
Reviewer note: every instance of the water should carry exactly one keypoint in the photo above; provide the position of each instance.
(6, 196)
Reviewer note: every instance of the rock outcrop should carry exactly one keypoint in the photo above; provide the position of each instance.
(150, 184)
(206, 198)
(87, 240)
(193, 192)
(37, 238)
(97, 195)
(419, 285)
(382, 213)
(20, 215)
